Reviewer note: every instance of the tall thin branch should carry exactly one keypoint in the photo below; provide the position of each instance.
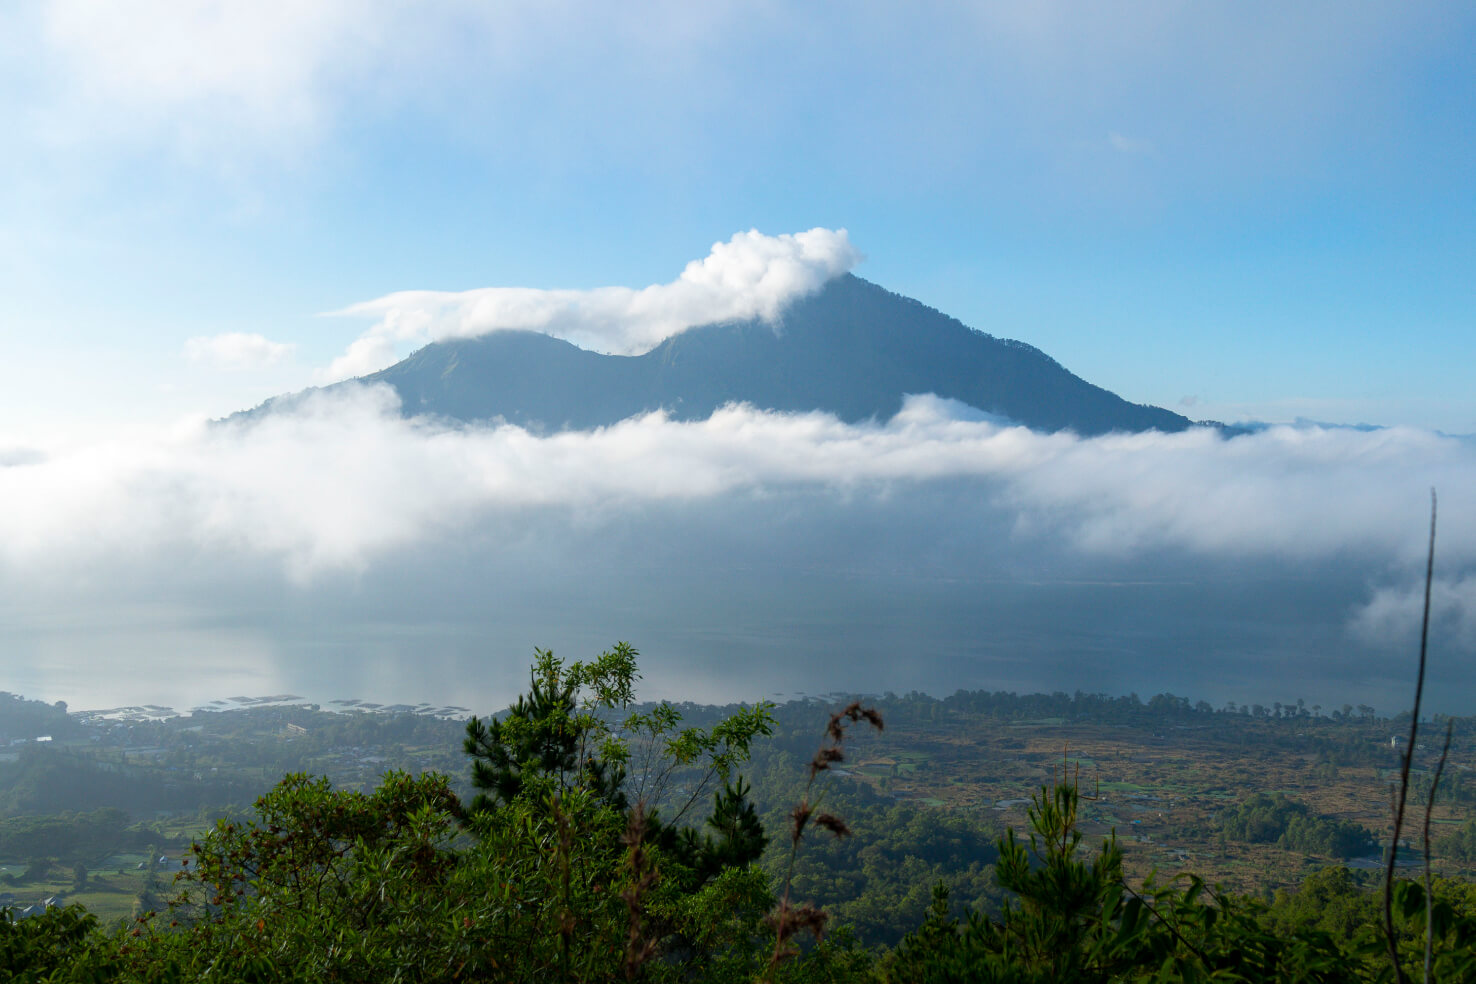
(1414, 730)
(1429, 809)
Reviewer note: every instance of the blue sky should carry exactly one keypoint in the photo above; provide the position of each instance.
(1234, 210)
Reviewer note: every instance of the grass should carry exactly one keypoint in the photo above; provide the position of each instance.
(972, 763)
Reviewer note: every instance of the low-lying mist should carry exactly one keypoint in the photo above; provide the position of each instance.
(345, 551)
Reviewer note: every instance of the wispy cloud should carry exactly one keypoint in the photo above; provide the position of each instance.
(749, 276)
(1392, 616)
(220, 76)
(223, 78)
(205, 71)
(237, 350)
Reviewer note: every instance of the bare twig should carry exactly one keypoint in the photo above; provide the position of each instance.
(1414, 730)
(1429, 809)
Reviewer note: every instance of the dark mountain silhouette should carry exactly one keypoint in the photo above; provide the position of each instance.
(853, 349)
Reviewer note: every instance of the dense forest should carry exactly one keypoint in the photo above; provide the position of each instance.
(584, 836)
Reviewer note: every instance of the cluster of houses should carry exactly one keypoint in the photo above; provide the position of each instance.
(16, 911)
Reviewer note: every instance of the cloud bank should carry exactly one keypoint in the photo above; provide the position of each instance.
(749, 276)
(344, 539)
(344, 477)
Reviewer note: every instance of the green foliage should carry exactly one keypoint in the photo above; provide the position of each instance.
(329, 885)
(71, 836)
(1333, 900)
(556, 880)
(1274, 818)
(547, 742)
(29, 719)
(552, 877)
(79, 876)
(37, 869)
(1459, 844)
(1065, 902)
(736, 839)
(1070, 920)
(559, 738)
(1078, 920)
(565, 734)
(662, 751)
(46, 779)
(326, 885)
(42, 947)
(879, 882)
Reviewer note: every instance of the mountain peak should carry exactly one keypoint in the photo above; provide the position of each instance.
(852, 348)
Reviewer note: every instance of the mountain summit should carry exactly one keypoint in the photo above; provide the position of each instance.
(852, 349)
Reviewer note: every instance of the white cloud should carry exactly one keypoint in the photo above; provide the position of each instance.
(220, 65)
(264, 76)
(237, 350)
(343, 527)
(1391, 618)
(749, 276)
(338, 482)
(219, 79)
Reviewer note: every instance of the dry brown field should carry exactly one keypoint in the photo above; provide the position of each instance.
(1159, 791)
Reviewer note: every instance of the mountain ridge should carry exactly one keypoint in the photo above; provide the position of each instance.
(852, 348)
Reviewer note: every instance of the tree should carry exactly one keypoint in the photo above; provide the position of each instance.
(327, 885)
(45, 947)
(548, 741)
(562, 879)
(1077, 919)
(564, 735)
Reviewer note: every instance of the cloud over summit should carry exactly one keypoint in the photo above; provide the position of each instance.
(749, 276)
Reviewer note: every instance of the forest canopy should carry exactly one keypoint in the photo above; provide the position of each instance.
(611, 841)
